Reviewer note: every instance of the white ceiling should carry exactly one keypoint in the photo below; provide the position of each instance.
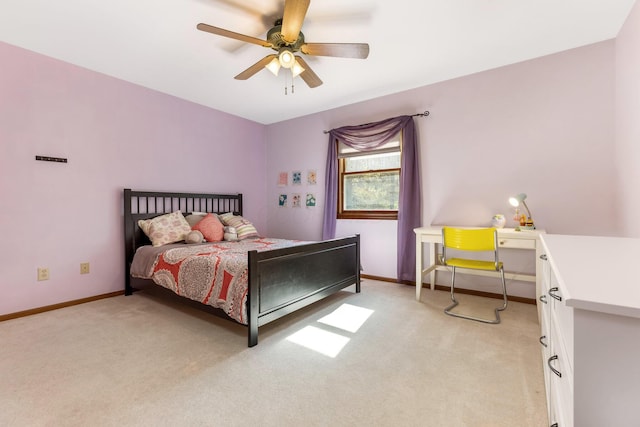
(154, 43)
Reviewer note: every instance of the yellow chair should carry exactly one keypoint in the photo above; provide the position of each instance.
(472, 240)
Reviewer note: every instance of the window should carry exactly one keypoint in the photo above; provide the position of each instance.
(369, 181)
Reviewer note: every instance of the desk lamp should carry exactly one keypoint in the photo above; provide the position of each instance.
(515, 202)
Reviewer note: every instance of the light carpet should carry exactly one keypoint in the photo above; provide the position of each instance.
(144, 361)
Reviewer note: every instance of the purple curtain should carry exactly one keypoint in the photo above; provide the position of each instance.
(367, 137)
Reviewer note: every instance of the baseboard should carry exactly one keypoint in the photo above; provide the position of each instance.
(18, 314)
(24, 313)
(448, 289)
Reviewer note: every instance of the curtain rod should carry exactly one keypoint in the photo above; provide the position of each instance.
(425, 114)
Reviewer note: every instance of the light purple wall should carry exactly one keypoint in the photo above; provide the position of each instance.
(628, 121)
(115, 135)
(544, 127)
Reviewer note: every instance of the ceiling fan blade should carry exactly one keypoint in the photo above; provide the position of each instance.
(344, 50)
(292, 19)
(255, 68)
(237, 36)
(310, 78)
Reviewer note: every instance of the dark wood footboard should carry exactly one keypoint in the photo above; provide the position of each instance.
(284, 280)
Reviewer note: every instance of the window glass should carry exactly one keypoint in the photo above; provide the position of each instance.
(369, 182)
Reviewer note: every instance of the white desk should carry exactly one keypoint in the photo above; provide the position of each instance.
(507, 238)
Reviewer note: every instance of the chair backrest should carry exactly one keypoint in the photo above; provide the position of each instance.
(470, 239)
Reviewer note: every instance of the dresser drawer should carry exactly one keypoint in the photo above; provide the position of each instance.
(545, 351)
(560, 381)
(516, 243)
(561, 319)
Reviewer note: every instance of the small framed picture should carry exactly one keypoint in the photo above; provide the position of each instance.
(283, 179)
(311, 200)
(296, 178)
(295, 200)
(312, 177)
(282, 201)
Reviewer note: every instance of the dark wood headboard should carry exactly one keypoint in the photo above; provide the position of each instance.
(147, 204)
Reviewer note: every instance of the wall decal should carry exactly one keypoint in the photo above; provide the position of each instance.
(52, 159)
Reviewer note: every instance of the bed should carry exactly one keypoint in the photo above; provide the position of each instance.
(280, 281)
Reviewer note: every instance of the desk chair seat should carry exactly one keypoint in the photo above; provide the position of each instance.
(472, 240)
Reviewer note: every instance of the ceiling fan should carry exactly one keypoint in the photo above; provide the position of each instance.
(286, 39)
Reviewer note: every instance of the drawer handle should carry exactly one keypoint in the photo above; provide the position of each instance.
(543, 298)
(543, 257)
(501, 242)
(542, 338)
(555, 371)
(555, 296)
(554, 425)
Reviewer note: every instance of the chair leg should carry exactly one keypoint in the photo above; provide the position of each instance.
(477, 319)
(453, 296)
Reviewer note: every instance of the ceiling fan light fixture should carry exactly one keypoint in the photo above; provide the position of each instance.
(273, 66)
(286, 39)
(296, 69)
(286, 58)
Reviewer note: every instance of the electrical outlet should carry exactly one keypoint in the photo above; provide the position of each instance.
(84, 268)
(43, 274)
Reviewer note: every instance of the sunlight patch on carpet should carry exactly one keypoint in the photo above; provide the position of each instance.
(319, 340)
(347, 317)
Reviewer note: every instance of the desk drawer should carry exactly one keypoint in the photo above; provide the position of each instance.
(516, 243)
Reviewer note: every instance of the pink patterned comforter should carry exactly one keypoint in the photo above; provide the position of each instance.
(215, 274)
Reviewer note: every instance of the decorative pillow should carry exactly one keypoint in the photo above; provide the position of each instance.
(211, 228)
(195, 218)
(244, 228)
(225, 217)
(194, 237)
(164, 229)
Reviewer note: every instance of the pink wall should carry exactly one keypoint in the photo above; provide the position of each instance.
(544, 127)
(628, 121)
(115, 135)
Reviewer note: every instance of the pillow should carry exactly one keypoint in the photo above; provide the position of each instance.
(225, 217)
(195, 218)
(244, 228)
(210, 227)
(164, 229)
(194, 237)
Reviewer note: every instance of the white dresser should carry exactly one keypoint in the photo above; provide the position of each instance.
(589, 307)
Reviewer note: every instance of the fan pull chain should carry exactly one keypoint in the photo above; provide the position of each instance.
(286, 85)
